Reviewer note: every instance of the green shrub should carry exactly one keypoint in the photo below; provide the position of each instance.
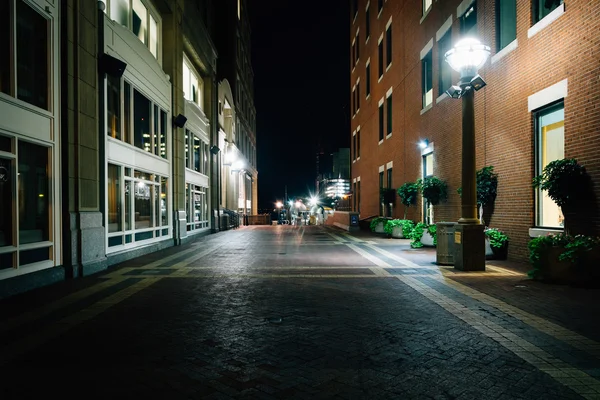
(408, 195)
(376, 221)
(497, 238)
(433, 189)
(573, 248)
(417, 234)
(407, 226)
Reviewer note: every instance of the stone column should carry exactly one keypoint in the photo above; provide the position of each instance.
(173, 66)
(84, 232)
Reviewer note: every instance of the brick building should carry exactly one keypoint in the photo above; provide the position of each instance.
(543, 81)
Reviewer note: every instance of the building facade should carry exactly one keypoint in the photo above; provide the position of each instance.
(109, 134)
(542, 82)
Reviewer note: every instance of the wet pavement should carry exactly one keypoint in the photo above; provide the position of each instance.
(277, 312)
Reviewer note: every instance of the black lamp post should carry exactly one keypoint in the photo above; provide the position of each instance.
(466, 57)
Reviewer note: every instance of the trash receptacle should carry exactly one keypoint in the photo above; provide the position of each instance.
(445, 243)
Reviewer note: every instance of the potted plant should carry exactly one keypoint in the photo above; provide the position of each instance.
(433, 189)
(399, 228)
(567, 183)
(487, 188)
(423, 235)
(377, 224)
(498, 242)
(564, 258)
(408, 195)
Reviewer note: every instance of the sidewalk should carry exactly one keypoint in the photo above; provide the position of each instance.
(574, 308)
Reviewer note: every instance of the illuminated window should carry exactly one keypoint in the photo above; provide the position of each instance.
(192, 84)
(137, 16)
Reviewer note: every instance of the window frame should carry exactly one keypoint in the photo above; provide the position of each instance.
(427, 61)
(500, 23)
(444, 69)
(536, 9)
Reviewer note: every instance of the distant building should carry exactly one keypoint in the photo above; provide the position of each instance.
(335, 181)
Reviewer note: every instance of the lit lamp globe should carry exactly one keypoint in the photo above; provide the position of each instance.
(466, 57)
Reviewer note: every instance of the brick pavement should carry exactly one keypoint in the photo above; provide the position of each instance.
(300, 312)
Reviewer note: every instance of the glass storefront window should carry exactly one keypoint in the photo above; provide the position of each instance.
(196, 154)
(126, 112)
(187, 148)
(5, 44)
(33, 190)
(142, 206)
(114, 198)
(140, 20)
(6, 204)
(128, 184)
(113, 106)
(164, 202)
(551, 147)
(155, 117)
(141, 121)
(163, 134)
(32, 56)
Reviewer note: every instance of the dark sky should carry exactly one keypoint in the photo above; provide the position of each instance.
(300, 56)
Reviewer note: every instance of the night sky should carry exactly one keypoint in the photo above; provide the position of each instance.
(300, 57)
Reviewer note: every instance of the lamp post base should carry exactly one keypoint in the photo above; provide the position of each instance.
(469, 247)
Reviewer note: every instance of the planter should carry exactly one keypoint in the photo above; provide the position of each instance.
(379, 228)
(500, 253)
(554, 270)
(397, 232)
(427, 239)
(489, 254)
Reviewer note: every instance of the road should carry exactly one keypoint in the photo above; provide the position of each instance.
(272, 312)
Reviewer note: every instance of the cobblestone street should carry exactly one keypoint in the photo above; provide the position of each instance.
(277, 312)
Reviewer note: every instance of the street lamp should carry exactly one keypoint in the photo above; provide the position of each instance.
(466, 57)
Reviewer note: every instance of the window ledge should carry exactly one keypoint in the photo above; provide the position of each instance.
(427, 108)
(535, 232)
(547, 20)
(388, 67)
(353, 161)
(358, 158)
(507, 49)
(368, 96)
(425, 15)
(379, 13)
(441, 97)
(380, 78)
(389, 135)
(367, 41)
(381, 141)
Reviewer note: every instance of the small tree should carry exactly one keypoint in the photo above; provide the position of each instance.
(566, 182)
(434, 190)
(408, 195)
(487, 188)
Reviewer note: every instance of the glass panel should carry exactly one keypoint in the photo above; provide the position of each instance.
(32, 256)
(205, 146)
(113, 106)
(445, 80)
(187, 203)
(468, 22)
(119, 11)
(187, 150)
(380, 58)
(389, 115)
(153, 37)
(114, 198)
(187, 94)
(140, 20)
(32, 56)
(33, 193)
(128, 238)
(141, 122)
(381, 122)
(115, 241)
(165, 232)
(428, 165)
(196, 154)
(545, 7)
(128, 204)
(143, 236)
(197, 207)
(127, 113)
(194, 87)
(163, 134)
(127, 171)
(156, 196)
(426, 5)
(5, 44)
(164, 209)
(143, 206)
(6, 202)
(389, 178)
(156, 117)
(5, 144)
(507, 22)
(552, 147)
(7, 261)
(368, 79)
(388, 44)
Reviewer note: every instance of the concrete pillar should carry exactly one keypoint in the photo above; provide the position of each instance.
(84, 232)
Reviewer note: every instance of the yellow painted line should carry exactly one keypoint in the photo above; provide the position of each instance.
(56, 329)
(559, 370)
(63, 302)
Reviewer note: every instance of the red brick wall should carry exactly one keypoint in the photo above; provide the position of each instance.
(569, 48)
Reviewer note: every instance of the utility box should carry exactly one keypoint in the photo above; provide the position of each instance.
(445, 243)
(353, 219)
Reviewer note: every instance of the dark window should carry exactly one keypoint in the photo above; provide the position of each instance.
(368, 80)
(506, 22)
(358, 144)
(445, 80)
(5, 43)
(380, 50)
(380, 181)
(113, 106)
(468, 21)
(357, 96)
(32, 56)
(379, 5)
(388, 44)
(354, 146)
(541, 8)
(389, 115)
(357, 46)
(389, 178)
(381, 122)
(141, 121)
(354, 8)
(33, 188)
(353, 58)
(427, 79)
(358, 200)
(368, 22)
(353, 100)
